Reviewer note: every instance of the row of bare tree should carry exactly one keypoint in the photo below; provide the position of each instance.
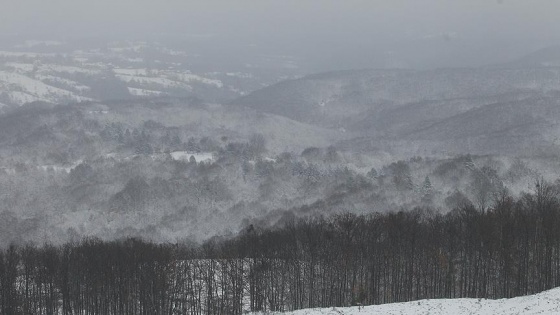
(509, 249)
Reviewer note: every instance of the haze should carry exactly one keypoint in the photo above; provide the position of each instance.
(324, 35)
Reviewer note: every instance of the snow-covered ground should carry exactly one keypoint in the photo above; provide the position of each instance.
(163, 78)
(143, 92)
(547, 302)
(22, 89)
(28, 74)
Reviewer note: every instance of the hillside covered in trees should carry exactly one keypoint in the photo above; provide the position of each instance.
(511, 248)
(299, 157)
(105, 171)
(331, 190)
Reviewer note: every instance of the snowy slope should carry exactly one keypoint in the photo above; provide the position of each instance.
(22, 89)
(163, 78)
(547, 302)
(61, 72)
(143, 92)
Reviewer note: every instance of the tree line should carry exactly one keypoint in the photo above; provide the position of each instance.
(509, 249)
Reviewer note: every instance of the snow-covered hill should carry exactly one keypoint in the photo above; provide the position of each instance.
(547, 302)
(20, 89)
(67, 72)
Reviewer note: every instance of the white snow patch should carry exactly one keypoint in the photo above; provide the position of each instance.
(59, 168)
(20, 98)
(48, 79)
(167, 78)
(238, 91)
(158, 81)
(188, 77)
(241, 75)
(22, 89)
(135, 60)
(81, 59)
(172, 52)
(69, 69)
(547, 302)
(143, 92)
(131, 72)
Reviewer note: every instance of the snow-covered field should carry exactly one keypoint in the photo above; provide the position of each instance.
(163, 78)
(27, 75)
(547, 302)
(21, 89)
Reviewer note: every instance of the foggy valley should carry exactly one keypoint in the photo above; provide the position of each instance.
(240, 157)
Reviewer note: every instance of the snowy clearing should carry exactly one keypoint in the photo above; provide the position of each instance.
(22, 89)
(143, 92)
(163, 78)
(131, 72)
(53, 68)
(49, 79)
(547, 302)
(157, 81)
(188, 77)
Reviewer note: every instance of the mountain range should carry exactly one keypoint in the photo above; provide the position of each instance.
(490, 110)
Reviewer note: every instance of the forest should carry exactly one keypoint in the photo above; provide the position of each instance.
(291, 156)
(508, 249)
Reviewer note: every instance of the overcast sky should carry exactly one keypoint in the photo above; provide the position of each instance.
(473, 31)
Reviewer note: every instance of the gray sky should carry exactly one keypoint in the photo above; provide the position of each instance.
(443, 32)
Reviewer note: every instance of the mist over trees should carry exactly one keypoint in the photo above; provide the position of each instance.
(215, 174)
(117, 174)
(508, 249)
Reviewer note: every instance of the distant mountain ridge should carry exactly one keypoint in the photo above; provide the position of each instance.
(323, 98)
(546, 57)
(489, 108)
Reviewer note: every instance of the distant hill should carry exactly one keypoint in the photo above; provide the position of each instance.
(340, 99)
(529, 126)
(46, 127)
(524, 127)
(75, 71)
(546, 57)
(487, 110)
